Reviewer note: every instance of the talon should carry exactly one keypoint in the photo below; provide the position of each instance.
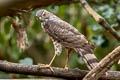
(66, 68)
(45, 66)
(51, 69)
(40, 64)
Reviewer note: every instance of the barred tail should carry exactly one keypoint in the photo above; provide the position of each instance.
(89, 58)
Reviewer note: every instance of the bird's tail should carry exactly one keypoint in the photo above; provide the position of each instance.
(86, 53)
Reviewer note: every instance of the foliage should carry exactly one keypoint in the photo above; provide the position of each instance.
(41, 49)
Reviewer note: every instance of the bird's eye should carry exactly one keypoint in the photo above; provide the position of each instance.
(44, 14)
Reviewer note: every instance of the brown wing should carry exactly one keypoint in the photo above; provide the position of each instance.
(65, 33)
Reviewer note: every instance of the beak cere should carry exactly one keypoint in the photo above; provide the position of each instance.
(40, 18)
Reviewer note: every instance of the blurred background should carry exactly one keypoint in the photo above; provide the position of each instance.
(41, 49)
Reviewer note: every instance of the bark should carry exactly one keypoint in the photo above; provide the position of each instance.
(10, 7)
(10, 67)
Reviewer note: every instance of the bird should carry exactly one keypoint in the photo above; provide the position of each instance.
(65, 35)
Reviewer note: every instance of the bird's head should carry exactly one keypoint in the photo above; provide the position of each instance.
(43, 15)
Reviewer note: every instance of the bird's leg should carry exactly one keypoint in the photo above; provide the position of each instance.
(67, 59)
(58, 50)
(52, 60)
(49, 65)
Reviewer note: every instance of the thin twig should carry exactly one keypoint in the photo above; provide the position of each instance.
(100, 19)
(103, 65)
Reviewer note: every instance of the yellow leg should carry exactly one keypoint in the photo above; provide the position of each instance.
(52, 59)
(48, 65)
(67, 59)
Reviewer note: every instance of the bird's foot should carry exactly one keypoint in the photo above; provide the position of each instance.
(66, 67)
(46, 66)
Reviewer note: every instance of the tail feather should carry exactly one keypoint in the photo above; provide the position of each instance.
(89, 58)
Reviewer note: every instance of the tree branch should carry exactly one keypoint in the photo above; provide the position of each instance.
(10, 67)
(103, 65)
(100, 19)
(35, 70)
(8, 6)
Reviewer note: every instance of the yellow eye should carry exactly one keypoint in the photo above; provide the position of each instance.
(44, 14)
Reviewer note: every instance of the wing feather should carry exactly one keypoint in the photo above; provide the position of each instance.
(65, 33)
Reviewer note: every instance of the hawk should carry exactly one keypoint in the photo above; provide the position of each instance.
(64, 34)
